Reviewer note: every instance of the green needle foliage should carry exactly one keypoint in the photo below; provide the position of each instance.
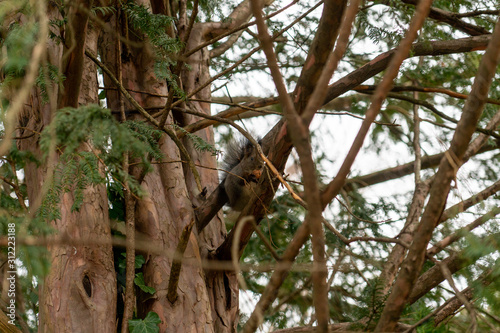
(155, 28)
(92, 145)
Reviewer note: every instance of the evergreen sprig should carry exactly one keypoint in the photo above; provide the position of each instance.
(17, 44)
(166, 48)
(88, 137)
(198, 143)
(48, 74)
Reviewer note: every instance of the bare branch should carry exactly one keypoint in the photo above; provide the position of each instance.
(319, 92)
(453, 304)
(382, 89)
(277, 278)
(234, 31)
(380, 62)
(439, 246)
(469, 202)
(396, 172)
(415, 101)
(355, 78)
(472, 313)
(398, 252)
(441, 185)
(454, 94)
(453, 20)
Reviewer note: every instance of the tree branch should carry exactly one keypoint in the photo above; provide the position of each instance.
(357, 77)
(318, 54)
(439, 246)
(451, 93)
(379, 63)
(383, 88)
(450, 307)
(434, 110)
(73, 55)
(396, 172)
(455, 262)
(299, 134)
(469, 202)
(175, 270)
(452, 19)
(234, 30)
(441, 185)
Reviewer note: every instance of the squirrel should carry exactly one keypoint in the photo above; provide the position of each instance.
(243, 168)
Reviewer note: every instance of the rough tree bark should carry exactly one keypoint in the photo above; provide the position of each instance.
(207, 300)
(79, 293)
(81, 286)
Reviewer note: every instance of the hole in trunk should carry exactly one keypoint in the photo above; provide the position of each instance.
(228, 291)
(87, 285)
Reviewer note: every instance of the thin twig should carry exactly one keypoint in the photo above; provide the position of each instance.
(337, 233)
(232, 31)
(377, 99)
(360, 218)
(244, 58)
(319, 93)
(437, 112)
(463, 231)
(440, 187)
(265, 241)
(129, 200)
(300, 139)
(447, 274)
(362, 88)
(469, 202)
(416, 134)
(15, 186)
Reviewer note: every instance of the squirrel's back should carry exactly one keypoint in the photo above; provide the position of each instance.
(243, 168)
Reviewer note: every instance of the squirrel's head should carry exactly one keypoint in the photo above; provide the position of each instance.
(252, 163)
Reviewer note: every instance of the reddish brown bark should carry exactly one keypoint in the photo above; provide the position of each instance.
(396, 256)
(367, 71)
(73, 53)
(399, 171)
(165, 210)
(79, 293)
(5, 326)
(317, 56)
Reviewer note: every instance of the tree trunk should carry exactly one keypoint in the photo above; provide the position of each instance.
(207, 300)
(79, 292)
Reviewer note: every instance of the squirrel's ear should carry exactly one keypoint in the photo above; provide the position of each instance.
(247, 148)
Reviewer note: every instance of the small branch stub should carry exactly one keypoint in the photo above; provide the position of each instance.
(175, 271)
